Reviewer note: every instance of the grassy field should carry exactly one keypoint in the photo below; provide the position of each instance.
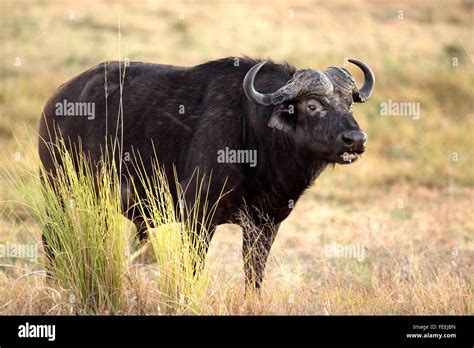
(390, 234)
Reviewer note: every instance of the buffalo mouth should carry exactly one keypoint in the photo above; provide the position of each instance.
(348, 157)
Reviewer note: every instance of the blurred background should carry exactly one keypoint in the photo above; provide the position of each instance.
(408, 203)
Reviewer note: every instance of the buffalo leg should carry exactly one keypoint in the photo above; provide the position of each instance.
(142, 231)
(201, 247)
(48, 237)
(194, 206)
(50, 256)
(131, 211)
(257, 242)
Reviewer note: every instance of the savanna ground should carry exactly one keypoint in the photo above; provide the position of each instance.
(403, 215)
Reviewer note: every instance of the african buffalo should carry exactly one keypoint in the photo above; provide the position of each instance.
(264, 130)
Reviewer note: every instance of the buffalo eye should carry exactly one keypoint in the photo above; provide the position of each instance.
(314, 106)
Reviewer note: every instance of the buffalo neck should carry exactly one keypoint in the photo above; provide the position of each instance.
(282, 170)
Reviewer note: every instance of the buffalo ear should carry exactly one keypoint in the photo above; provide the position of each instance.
(283, 118)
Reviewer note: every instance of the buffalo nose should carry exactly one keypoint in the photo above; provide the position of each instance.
(354, 140)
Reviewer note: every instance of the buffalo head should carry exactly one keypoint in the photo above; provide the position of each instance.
(315, 107)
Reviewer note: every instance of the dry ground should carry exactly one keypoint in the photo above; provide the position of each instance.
(404, 252)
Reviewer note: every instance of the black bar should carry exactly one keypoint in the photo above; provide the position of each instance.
(287, 330)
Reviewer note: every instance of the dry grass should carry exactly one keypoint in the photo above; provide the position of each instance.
(407, 204)
(410, 260)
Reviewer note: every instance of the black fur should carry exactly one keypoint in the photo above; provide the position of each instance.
(217, 115)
